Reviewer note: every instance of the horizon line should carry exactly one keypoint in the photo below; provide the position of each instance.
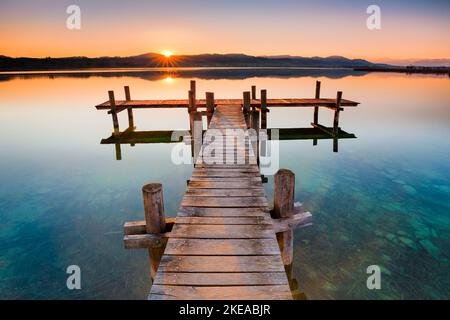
(281, 55)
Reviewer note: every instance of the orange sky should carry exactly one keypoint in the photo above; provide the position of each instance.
(409, 31)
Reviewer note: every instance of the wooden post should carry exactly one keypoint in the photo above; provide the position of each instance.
(130, 110)
(246, 102)
(197, 135)
(316, 109)
(336, 114)
(283, 195)
(254, 92)
(193, 88)
(154, 208)
(264, 100)
(112, 102)
(155, 221)
(210, 105)
(254, 120)
(264, 109)
(191, 97)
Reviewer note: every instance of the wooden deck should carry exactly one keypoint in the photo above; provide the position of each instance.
(223, 244)
(146, 104)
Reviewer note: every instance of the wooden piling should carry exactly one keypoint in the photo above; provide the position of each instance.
(193, 88)
(197, 135)
(112, 102)
(154, 208)
(283, 195)
(264, 100)
(155, 221)
(254, 92)
(264, 109)
(191, 98)
(254, 124)
(336, 114)
(129, 110)
(210, 102)
(210, 105)
(316, 109)
(246, 102)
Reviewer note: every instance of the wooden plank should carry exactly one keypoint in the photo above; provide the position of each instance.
(140, 241)
(189, 231)
(226, 220)
(235, 202)
(221, 278)
(225, 192)
(256, 179)
(200, 171)
(222, 247)
(140, 227)
(226, 174)
(222, 212)
(221, 264)
(275, 292)
(224, 185)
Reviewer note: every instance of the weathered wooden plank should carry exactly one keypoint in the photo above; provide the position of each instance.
(221, 264)
(227, 166)
(225, 220)
(228, 179)
(221, 278)
(224, 185)
(222, 247)
(225, 192)
(222, 212)
(190, 231)
(245, 169)
(275, 292)
(225, 174)
(140, 241)
(235, 202)
(140, 227)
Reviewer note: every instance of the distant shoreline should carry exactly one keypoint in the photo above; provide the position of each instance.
(423, 70)
(150, 69)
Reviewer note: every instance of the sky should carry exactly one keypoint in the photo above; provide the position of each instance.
(409, 29)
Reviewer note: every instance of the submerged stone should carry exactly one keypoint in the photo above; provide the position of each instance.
(409, 189)
(390, 236)
(407, 241)
(430, 247)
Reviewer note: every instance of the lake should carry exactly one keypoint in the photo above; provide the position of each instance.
(383, 199)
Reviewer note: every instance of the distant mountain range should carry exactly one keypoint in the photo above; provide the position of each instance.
(152, 60)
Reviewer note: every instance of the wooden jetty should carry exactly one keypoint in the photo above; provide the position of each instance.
(225, 242)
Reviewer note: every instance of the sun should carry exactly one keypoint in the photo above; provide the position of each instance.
(167, 53)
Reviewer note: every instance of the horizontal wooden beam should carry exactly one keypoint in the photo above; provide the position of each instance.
(299, 220)
(144, 241)
(138, 227)
(148, 104)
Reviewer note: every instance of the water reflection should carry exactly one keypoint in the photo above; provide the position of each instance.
(169, 74)
(131, 136)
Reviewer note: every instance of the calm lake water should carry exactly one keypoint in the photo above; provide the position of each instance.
(383, 199)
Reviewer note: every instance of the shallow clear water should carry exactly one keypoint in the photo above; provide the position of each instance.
(383, 199)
